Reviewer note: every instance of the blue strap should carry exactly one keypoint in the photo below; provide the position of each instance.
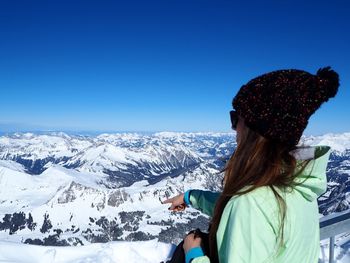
(187, 197)
(193, 253)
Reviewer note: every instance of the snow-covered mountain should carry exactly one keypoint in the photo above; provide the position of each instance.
(337, 197)
(59, 189)
(124, 158)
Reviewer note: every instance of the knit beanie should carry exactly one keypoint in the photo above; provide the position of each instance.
(279, 104)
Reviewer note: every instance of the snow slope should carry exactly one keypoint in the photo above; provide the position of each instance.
(112, 252)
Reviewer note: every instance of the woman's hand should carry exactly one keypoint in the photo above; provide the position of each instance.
(177, 203)
(191, 241)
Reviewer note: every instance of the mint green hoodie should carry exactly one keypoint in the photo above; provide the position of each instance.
(248, 229)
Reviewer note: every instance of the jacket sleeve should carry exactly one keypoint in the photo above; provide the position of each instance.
(204, 201)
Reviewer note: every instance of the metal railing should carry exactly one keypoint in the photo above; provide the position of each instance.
(333, 225)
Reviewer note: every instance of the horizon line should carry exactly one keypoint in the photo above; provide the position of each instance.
(100, 132)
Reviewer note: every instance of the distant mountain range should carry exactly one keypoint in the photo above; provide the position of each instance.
(59, 189)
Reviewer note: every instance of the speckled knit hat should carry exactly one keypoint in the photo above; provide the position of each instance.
(279, 104)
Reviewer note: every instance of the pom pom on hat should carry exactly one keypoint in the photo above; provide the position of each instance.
(328, 82)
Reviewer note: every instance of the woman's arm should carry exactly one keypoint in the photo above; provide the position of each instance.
(204, 201)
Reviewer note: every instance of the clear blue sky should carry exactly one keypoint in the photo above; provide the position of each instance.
(160, 65)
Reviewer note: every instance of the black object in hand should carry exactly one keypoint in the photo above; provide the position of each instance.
(179, 253)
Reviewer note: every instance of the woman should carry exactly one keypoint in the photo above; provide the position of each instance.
(268, 209)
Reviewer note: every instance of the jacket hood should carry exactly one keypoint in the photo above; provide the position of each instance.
(312, 181)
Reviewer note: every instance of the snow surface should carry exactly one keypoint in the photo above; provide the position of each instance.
(111, 252)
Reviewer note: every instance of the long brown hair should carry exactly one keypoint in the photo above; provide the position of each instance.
(257, 161)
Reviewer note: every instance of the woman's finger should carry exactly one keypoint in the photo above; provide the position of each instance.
(167, 201)
(189, 237)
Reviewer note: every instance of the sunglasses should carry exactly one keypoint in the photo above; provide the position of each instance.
(234, 119)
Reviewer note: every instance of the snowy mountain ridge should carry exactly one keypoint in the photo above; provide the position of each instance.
(340, 143)
(59, 189)
(125, 158)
